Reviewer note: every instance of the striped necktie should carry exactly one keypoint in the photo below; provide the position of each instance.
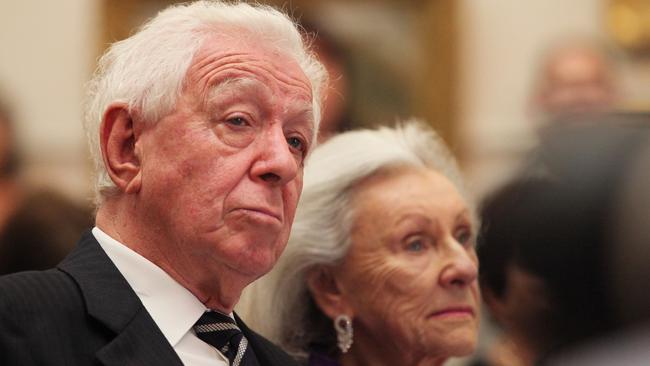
(221, 332)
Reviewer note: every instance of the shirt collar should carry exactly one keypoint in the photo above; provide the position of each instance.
(173, 308)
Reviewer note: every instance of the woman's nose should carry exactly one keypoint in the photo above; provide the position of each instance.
(461, 267)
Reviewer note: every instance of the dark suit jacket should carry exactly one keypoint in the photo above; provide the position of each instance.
(85, 313)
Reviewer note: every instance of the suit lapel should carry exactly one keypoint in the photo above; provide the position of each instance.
(111, 301)
(253, 341)
(139, 344)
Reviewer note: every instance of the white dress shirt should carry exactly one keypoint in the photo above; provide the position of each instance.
(174, 309)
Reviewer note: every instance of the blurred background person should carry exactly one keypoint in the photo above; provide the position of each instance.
(336, 104)
(627, 262)
(548, 238)
(576, 77)
(42, 231)
(514, 56)
(37, 225)
(380, 268)
(515, 298)
(10, 189)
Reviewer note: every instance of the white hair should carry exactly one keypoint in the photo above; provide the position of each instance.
(147, 70)
(279, 304)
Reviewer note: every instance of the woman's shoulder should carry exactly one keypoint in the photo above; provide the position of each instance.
(320, 359)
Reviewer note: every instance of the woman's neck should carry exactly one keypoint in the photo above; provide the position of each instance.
(366, 351)
(373, 359)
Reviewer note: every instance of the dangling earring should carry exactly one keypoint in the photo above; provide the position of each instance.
(343, 326)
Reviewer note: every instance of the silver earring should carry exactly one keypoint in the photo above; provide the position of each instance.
(343, 326)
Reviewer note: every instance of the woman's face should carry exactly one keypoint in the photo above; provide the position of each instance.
(410, 277)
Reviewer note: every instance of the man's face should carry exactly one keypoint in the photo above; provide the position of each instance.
(222, 174)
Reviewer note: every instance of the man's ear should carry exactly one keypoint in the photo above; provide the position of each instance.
(119, 146)
(326, 291)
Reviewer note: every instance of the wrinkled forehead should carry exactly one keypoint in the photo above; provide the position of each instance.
(390, 186)
(240, 86)
(242, 50)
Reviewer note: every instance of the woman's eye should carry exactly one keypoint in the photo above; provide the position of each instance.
(463, 236)
(415, 245)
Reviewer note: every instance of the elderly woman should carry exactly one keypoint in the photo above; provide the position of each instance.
(381, 267)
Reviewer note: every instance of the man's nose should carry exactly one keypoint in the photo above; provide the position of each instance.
(461, 267)
(275, 162)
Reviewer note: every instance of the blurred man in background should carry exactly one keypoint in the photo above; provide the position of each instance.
(575, 78)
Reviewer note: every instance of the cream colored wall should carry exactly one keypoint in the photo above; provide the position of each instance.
(501, 42)
(46, 55)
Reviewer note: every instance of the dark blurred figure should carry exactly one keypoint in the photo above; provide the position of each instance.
(559, 243)
(41, 232)
(577, 77)
(514, 296)
(10, 190)
(627, 286)
(336, 104)
(37, 227)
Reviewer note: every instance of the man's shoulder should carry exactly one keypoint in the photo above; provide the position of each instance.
(44, 321)
(49, 288)
(37, 290)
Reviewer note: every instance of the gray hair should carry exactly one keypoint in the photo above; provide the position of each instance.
(321, 231)
(147, 70)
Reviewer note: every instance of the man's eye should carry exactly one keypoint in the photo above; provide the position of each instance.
(237, 121)
(296, 143)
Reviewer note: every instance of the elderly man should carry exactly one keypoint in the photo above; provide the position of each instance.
(200, 123)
